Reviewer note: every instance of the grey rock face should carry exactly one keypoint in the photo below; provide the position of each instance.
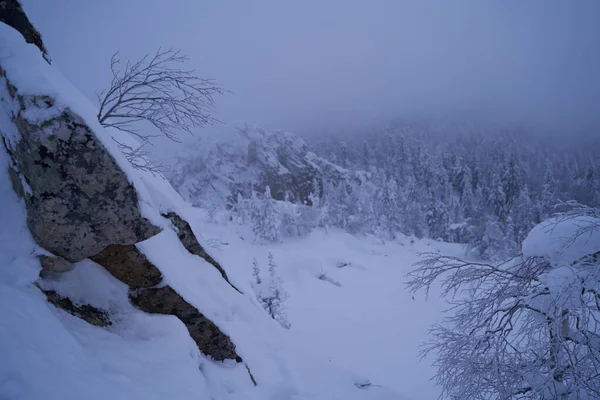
(78, 200)
(80, 204)
(209, 338)
(191, 244)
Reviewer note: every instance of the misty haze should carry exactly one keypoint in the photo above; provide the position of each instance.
(387, 199)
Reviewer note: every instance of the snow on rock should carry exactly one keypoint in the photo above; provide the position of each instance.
(78, 197)
(252, 158)
(563, 241)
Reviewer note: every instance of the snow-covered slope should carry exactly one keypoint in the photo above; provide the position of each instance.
(347, 302)
(48, 353)
(366, 330)
(354, 334)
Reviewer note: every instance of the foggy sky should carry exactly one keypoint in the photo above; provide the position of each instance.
(305, 64)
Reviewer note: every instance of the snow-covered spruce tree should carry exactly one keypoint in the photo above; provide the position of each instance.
(387, 210)
(270, 292)
(593, 184)
(256, 272)
(499, 181)
(525, 328)
(548, 195)
(265, 217)
(461, 177)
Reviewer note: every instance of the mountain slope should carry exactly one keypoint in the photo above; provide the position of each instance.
(73, 332)
(347, 302)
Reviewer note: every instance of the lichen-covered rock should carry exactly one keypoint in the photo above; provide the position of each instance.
(80, 202)
(78, 198)
(209, 338)
(129, 265)
(191, 244)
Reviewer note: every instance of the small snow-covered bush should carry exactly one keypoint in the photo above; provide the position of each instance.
(270, 292)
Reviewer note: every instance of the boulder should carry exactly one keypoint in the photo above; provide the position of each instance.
(78, 199)
(80, 203)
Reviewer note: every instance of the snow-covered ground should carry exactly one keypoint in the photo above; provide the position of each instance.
(366, 328)
(358, 316)
(354, 335)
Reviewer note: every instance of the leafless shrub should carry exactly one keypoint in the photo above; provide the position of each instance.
(141, 159)
(156, 90)
(522, 329)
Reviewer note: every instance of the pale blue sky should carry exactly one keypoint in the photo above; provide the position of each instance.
(298, 65)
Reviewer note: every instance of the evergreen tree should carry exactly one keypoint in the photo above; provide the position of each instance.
(367, 155)
(256, 272)
(511, 182)
(270, 292)
(483, 189)
(593, 185)
(492, 243)
(548, 196)
(266, 219)
(495, 196)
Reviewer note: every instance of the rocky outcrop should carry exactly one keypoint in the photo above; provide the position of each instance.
(251, 160)
(11, 13)
(129, 265)
(191, 244)
(80, 204)
(286, 166)
(209, 338)
(78, 199)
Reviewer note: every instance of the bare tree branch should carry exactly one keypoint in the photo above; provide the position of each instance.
(141, 159)
(522, 329)
(156, 90)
